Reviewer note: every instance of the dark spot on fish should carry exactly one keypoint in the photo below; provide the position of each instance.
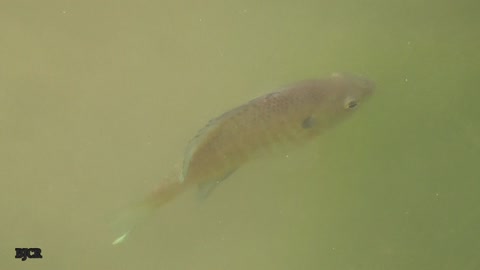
(308, 122)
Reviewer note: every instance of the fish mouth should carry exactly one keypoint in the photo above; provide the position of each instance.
(368, 87)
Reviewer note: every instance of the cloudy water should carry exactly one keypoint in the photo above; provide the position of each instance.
(98, 102)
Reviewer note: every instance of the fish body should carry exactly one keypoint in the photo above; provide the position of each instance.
(289, 117)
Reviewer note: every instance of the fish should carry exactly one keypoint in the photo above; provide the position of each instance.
(290, 117)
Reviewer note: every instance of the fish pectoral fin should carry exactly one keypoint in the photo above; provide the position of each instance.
(204, 189)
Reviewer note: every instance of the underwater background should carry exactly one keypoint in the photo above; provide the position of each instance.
(98, 100)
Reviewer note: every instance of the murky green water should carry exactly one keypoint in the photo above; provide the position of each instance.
(98, 100)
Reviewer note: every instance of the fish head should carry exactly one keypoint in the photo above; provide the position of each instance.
(337, 98)
(350, 90)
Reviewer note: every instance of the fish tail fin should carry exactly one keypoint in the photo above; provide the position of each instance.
(130, 218)
(138, 213)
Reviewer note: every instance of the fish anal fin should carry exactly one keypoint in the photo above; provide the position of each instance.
(206, 188)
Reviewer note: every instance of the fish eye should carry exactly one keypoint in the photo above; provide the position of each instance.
(351, 104)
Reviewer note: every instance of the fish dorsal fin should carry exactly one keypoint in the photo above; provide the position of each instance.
(204, 133)
(201, 137)
(212, 126)
(206, 188)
